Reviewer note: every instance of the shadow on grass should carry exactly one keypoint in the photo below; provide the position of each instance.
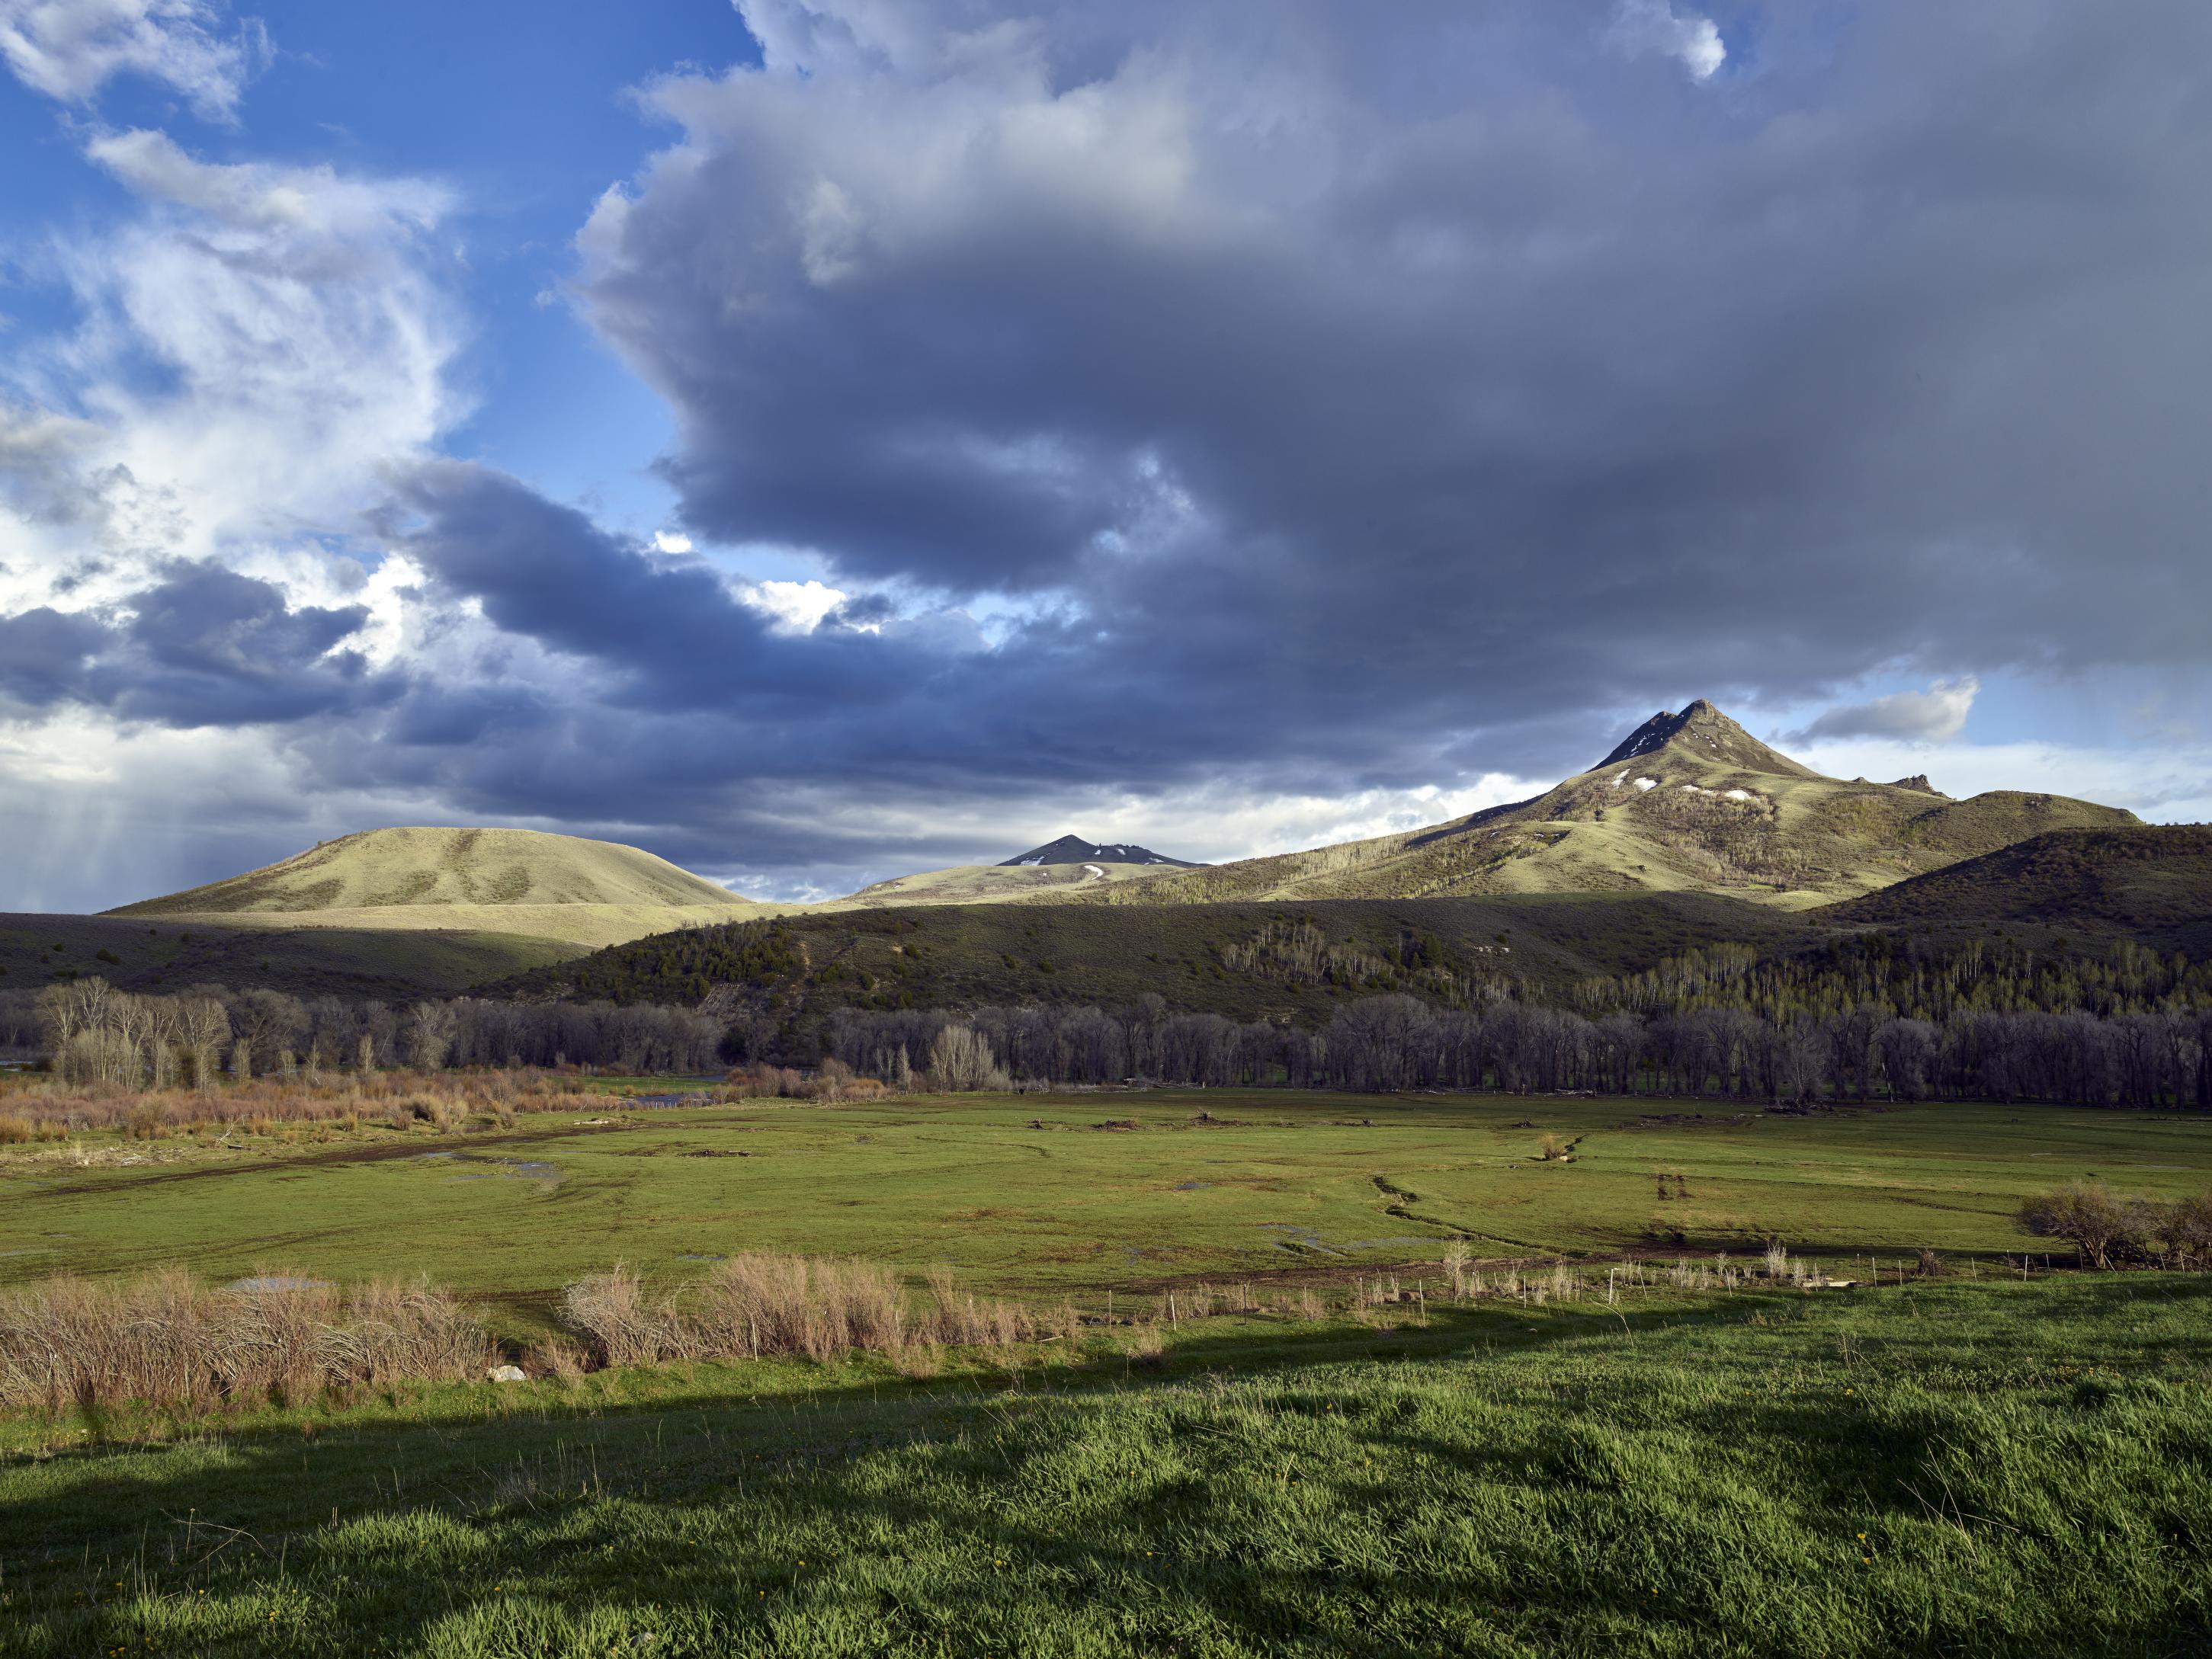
(701, 1502)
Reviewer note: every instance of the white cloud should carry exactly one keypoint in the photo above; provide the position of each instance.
(1642, 25)
(1937, 714)
(260, 342)
(669, 541)
(69, 49)
(795, 607)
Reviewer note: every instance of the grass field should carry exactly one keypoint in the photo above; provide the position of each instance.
(1073, 1194)
(1986, 1468)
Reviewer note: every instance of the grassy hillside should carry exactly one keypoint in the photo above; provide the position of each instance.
(571, 928)
(1246, 961)
(2151, 884)
(993, 884)
(171, 953)
(1692, 803)
(379, 868)
(580, 894)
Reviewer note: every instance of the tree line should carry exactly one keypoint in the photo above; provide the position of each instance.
(2133, 1029)
(93, 1032)
(1395, 1041)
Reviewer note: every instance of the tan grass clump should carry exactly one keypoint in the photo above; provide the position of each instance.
(165, 1339)
(56, 1109)
(756, 1305)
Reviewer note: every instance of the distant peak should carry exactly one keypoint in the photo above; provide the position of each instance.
(1074, 849)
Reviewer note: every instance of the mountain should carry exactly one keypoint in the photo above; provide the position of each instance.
(2152, 884)
(584, 894)
(1070, 867)
(1688, 801)
(1074, 849)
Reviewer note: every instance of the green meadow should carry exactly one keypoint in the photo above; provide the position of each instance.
(1074, 1194)
(1989, 1467)
(1997, 1460)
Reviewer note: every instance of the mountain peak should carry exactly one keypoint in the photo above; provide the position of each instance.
(1074, 849)
(1702, 730)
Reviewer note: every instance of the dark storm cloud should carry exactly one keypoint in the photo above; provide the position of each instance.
(668, 631)
(1433, 381)
(203, 646)
(1311, 399)
(44, 653)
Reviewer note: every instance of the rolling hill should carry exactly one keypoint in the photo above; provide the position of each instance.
(1687, 802)
(1068, 867)
(577, 893)
(1245, 961)
(2151, 884)
(167, 955)
(997, 884)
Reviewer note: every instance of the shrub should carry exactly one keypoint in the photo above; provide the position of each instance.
(2097, 1221)
(610, 1312)
(2186, 1228)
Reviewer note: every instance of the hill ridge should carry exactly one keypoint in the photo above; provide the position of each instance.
(1687, 801)
(404, 868)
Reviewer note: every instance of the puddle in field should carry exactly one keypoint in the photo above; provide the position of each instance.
(526, 1168)
(702, 1258)
(275, 1282)
(667, 1100)
(1193, 1186)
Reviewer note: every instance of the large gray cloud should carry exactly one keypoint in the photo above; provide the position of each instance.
(202, 645)
(1433, 370)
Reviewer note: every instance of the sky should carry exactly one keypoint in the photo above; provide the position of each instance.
(817, 440)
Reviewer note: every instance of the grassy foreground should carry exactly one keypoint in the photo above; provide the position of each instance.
(1952, 1468)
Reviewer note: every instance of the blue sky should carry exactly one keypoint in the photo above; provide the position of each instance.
(820, 439)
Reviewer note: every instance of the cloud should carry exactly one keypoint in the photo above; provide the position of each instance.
(263, 339)
(257, 344)
(1436, 377)
(1652, 25)
(67, 50)
(203, 646)
(1937, 714)
(1259, 415)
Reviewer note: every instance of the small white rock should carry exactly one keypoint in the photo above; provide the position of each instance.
(507, 1374)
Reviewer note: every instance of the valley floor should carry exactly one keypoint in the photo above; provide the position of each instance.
(1069, 1195)
(1932, 1468)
